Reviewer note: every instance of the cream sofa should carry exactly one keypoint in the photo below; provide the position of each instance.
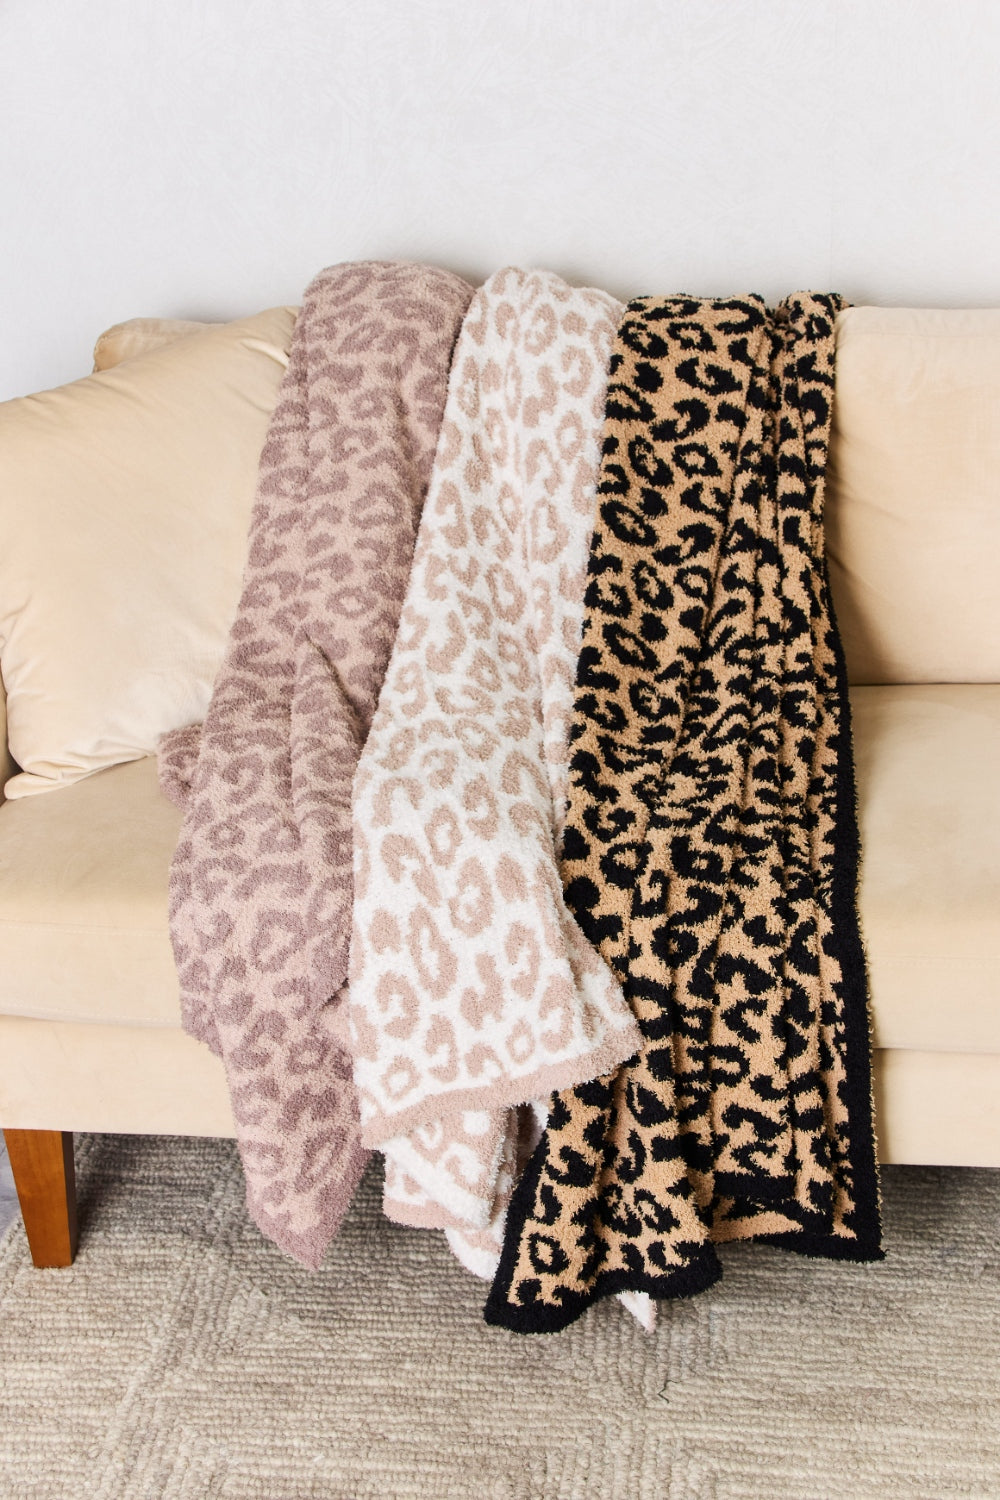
(90, 1036)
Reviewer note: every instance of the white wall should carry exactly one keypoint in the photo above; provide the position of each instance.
(206, 157)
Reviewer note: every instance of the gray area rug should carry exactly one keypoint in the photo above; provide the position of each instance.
(182, 1357)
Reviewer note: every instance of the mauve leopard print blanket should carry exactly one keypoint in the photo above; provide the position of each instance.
(261, 882)
(710, 849)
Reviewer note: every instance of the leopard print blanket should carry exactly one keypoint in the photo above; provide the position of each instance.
(261, 882)
(711, 848)
(472, 988)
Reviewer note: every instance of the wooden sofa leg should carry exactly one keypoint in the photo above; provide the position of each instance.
(42, 1164)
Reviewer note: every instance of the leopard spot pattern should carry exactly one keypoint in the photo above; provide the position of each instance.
(710, 849)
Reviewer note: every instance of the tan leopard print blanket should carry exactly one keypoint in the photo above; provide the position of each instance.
(472, 988)
(710, 848)
(260, 888)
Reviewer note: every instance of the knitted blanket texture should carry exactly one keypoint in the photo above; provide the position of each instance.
(710, 850)
(472, 988)
(261, 881)
(555, 768)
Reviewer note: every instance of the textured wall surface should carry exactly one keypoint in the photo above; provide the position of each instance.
(206, 159)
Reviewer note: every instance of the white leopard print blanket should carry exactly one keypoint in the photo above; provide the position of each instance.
(260, 888)
(472, 989)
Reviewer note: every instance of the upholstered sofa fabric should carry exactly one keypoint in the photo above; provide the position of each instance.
(938, 1108)
(140, 1080)
(913, 524)
(124, 504)
(83, 902)
(928, 758)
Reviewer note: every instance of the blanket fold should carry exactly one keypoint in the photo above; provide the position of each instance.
(261, 881)
(710, 850)
(472, 988)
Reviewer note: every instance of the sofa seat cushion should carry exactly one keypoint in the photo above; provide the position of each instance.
(927, 760)
(83, 881)
(83, 901)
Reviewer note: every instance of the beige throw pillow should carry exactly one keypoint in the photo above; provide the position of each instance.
(140, 336)
(125, 501)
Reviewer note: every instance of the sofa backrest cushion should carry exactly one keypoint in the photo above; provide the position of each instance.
(913, 503)
(125, 501)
